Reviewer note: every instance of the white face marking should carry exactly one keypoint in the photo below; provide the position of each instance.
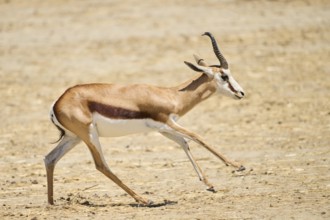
(107, 127)
(224, 87)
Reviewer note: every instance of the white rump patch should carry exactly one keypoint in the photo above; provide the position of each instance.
(107, 127)
(56, 122)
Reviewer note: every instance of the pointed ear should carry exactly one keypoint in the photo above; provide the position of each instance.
(208, 71)
(193, 67)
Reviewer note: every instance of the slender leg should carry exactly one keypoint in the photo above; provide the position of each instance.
(184, 132)
(182, 142)
(65, 145)
(101, 165)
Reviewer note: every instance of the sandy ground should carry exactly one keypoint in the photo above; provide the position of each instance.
(279, 51)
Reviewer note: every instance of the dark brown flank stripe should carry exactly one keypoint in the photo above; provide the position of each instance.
(116, 112)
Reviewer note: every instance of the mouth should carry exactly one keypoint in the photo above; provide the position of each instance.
(238, 97)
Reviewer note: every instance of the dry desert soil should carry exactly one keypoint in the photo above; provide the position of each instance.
(278, 51)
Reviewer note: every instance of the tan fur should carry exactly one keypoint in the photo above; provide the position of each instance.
(162, 104)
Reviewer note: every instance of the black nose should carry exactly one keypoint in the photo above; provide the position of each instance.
(242, 93)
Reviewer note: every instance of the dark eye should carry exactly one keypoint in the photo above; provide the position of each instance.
(224, 77)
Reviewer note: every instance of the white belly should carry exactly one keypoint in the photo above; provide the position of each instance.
(107, 127)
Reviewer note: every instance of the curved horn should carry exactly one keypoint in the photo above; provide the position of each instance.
(221, 58)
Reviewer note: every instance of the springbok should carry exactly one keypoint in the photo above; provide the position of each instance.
(87, 112)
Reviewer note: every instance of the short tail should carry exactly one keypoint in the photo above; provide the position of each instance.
(53, 119)
(62, 132)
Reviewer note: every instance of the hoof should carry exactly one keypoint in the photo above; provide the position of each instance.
(143, 203)
(241, 168)
(149, 203)
(211, 189)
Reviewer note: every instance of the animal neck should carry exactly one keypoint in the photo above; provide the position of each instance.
(194, 91)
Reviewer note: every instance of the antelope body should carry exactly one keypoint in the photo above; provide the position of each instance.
(87, 112)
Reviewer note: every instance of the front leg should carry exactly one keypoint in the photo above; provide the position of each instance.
(183, 143)
(191, 135)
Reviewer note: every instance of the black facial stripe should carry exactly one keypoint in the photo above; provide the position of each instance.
(231, 87)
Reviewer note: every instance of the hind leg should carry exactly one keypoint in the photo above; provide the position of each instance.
(101, 165)
(65, 145)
